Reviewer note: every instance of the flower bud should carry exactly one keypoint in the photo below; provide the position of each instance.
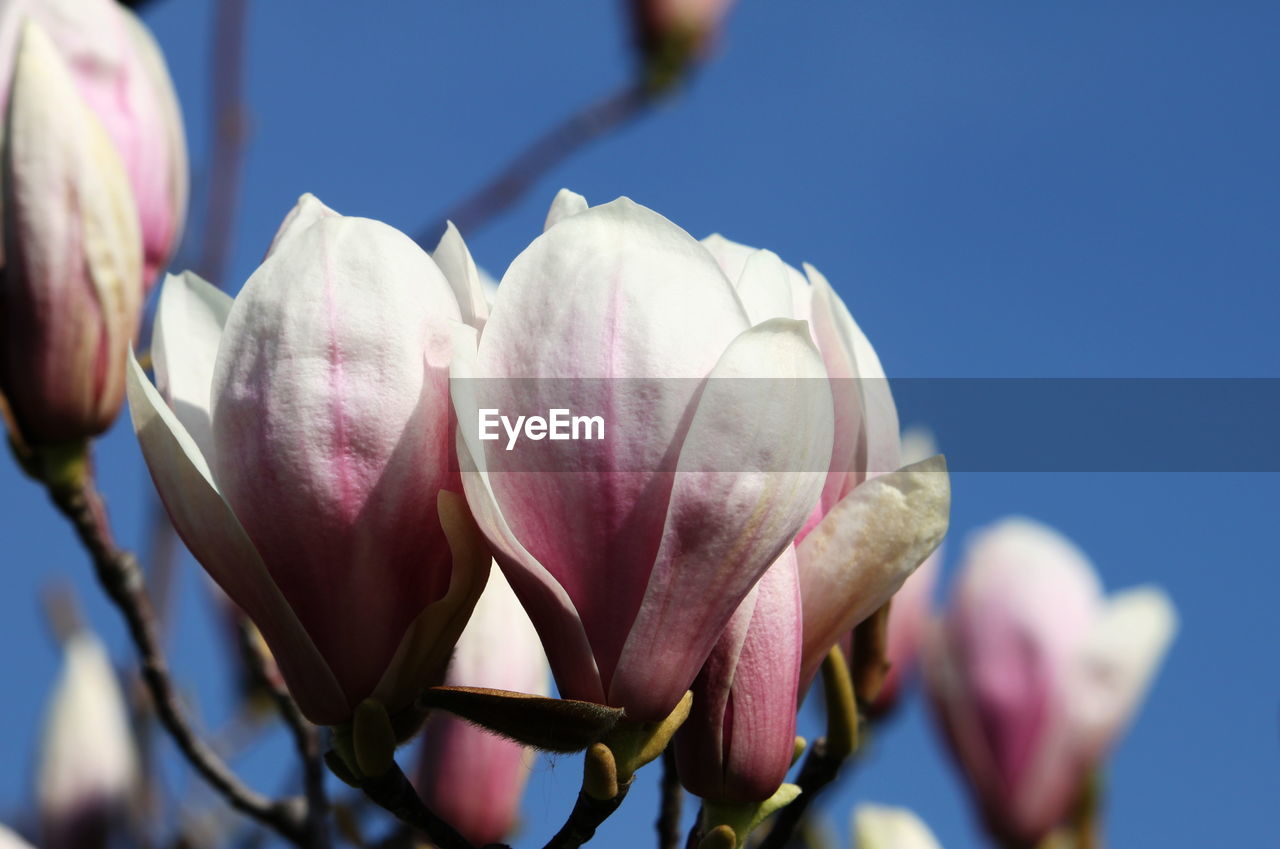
(671, 34)
(738, 742)
(883, 827)
(301, 441)
(1033, 673)
(71, 289)
(119, 71)
(87, 766)
(472, 777)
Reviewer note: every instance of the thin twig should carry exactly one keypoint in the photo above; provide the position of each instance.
(545, 153)
(587, 815)
(306, 737)
(393, 792)
(668, 824)
(820, 769)
(229, 129)
(120, 577)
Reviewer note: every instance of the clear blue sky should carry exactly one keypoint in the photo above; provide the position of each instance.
(996, 189)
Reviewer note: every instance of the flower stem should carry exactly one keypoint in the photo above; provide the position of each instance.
(668, 823)
(76, 497)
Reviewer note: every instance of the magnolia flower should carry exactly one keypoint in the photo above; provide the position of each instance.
(911, 604)
(87, 765)
(739, 739)
(1034, 673)
(632, 553)
(10, 840)
(71, 290)
(471, 777)
(875, 523)
(883, 827)
(300, 439)
(120, 74)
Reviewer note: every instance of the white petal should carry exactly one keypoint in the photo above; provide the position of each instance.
(861, 552)
(307, 211)
(453, 258)
(184, 348)
(1122, 655)
(565, 205)
(849, 355)
(214, 535)
(749, 473)
(765, 287)
(549, 607)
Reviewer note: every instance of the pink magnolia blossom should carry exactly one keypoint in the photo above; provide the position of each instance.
(1034, 672)
(88, 764)
(471, 777)
(118, 69)
(301, 441)
(739, 739)
(632, 553)
(71, 291)
(875, 522)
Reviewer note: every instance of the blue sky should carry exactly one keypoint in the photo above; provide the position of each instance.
(996, 189)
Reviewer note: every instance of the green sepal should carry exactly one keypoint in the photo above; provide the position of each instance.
(635, 744)
(744, 817)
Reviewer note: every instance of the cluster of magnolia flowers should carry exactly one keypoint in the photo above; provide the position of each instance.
(311, 441)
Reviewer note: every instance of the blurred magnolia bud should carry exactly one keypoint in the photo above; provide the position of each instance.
(87, 766)
(738, 742)
(71, 289)
(10, 840)
(119, 71)
(672, 34)
(471, 777)
(883, 827)
(1034, 673)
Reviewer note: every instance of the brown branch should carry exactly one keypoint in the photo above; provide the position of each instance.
(229, 131)
(392, 792)
(550, 149)
(306, 737)
(587, 815)
(120, 577)
(668, 823)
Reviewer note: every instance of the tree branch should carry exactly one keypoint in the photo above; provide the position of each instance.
(120, 577)
(537, 159)
(668, 823)
(306, 737)
(393, 792)
(229, 129)
(587, 815)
